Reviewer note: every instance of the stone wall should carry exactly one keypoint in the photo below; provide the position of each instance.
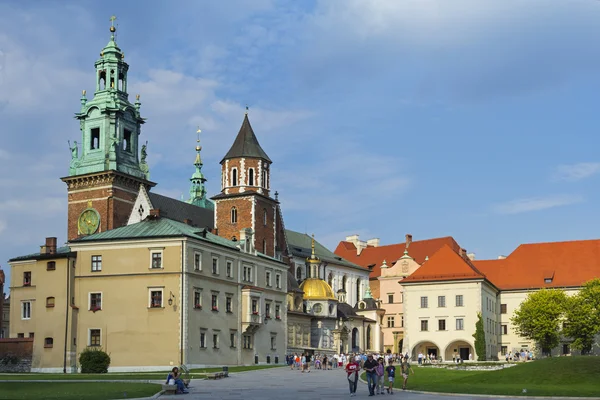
(15, 354)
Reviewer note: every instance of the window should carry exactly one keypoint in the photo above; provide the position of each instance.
(441, 325)
(264, 246)
(20, 335)
(27, 278)
(232, 340)
(460, 324)
(48, 343)
(234, 177)
(504, 329)
(502, 308)
(273, 342)
(268, 310)
(424, 325)
(459, 300)
(265, 217)
(50, 265)
(247, 342)
(215, 340)
(127, 140)
(278, 281)
(96, 263)
(441, 301)
(268, 278)
(503, 350)
(95, 138)
(247, 276)
(233, 215)
(198, 261)
(198, 299)
(229, 269)
(391, 298)
(423, 301)
(390, 322)
(26, 310)
(254, 306)
(156, 298)
(251, 176)
(95, 301)
(49, 302)
(156, 259)
(215, 265)
(547, 280)
(31, 335)
(299, 273)
(214, 302)
(566, 349)
(264, 178)
(94, 337)
(228, 304)
(202, 340)
(277, 311)
(402, 321)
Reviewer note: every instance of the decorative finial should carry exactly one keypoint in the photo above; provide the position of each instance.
(198, 133)
(112, 24)
(276, 196)
(426, 258)
(312, 245)
(405, 252)
(83, 92)
(137, 97)
(246, 109)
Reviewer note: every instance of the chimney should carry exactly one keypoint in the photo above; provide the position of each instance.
(155, 213)
(471, 256)
(359, 244)
(408, 239)
(501, 257)
(373, 242)
(188, 222)
(50, 245)
(463, 253)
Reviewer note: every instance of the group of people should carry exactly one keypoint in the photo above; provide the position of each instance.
(376, 371)
(523, 355)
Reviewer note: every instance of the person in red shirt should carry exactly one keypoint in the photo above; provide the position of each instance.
(352, 369)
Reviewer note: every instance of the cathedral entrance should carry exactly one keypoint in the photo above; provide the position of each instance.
(355, 341)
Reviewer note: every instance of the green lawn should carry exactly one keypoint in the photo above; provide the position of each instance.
(76, 391)
(143, 376)
(557, 376)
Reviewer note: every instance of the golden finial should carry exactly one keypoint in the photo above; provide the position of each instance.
(312, 245)
(83, 92)
(112, 24)
(122, 55)
(198, 148)
(137, 97)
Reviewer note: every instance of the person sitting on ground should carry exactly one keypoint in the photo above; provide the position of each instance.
(174, 378)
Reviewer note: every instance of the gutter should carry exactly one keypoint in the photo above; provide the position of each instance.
(67, 302)
(182, 300)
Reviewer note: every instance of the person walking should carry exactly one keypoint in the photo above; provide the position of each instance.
(391, 372)
(380, 371)
(406, 370)
(352, 369)
(370, 366)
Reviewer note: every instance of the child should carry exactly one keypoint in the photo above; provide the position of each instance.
(391, 371)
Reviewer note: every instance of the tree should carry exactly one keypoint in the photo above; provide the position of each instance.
(582, 316)
(538, 317)
(479, 336)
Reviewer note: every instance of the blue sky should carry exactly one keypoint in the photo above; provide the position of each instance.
(473, 119)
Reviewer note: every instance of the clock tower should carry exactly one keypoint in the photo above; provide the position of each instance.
(106, 168)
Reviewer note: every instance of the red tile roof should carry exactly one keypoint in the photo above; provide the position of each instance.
(568, 264)
(418, 249)
(445, 265)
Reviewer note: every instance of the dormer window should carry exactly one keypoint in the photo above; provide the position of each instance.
(548, 276)
(234, 177)
(251, 177)
(547, 280)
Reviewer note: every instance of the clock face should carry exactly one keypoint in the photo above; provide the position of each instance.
(89, 221)
(317, 308)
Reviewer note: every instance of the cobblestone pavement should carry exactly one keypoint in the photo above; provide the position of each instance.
(281, 383)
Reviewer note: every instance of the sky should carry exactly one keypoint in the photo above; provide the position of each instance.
(477, 120)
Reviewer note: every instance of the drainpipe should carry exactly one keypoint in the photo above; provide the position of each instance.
(182, 300)
(67, 317)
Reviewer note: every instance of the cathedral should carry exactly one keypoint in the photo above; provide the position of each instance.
(157, 281)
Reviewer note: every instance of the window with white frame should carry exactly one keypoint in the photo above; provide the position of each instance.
(95, 337)
(198, 298)
(229, 269)
(156, 259)
(234, 177)
(215, 340)
(202, 340)
(278, 281)
(424, 302)
(95, 301)
(268, 278)
(214, 301)
(251, 177)
(441, 301)
(267, 310)
(277, 311)
(96, 263)
(228, 304)
(155, 298)
(247, 273)
(232, 339)
(215, 265)
(459, 300)
(26, 310)
(460, 324)
(254, 306)
(197, 261)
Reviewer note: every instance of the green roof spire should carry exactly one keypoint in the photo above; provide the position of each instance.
(368, 294)
(197, 189)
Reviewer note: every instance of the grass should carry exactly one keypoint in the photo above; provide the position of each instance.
(75, 390)
(142, 376)
(557, 376)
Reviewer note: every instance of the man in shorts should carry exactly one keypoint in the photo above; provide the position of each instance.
(406, 369)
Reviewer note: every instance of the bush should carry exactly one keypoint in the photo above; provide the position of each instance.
(94, 361)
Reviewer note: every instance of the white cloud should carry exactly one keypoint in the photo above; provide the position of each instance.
(536, 204)
(576, 172)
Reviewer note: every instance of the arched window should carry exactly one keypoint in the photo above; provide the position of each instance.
(251, 177)
(344, 284)
(330, 279)
(234, 177)
(265, 217)
(233, 215)
(264, 179)
(358, 294)
(299, 273)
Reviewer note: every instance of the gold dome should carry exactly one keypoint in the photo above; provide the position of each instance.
(316, 289)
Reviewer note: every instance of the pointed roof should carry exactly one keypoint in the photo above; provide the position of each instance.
(445, 265)
(246, 144)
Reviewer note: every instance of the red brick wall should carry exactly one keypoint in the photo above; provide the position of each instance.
(262, 231)
(17, 346)
(254, 163)
(227, 229)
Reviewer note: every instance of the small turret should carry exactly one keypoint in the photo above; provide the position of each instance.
(197, 189)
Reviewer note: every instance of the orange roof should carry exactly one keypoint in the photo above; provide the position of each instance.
(418, 249)
(445, 265)
(565, 264)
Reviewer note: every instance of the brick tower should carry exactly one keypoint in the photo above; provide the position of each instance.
(245, 200)
(104, 179)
